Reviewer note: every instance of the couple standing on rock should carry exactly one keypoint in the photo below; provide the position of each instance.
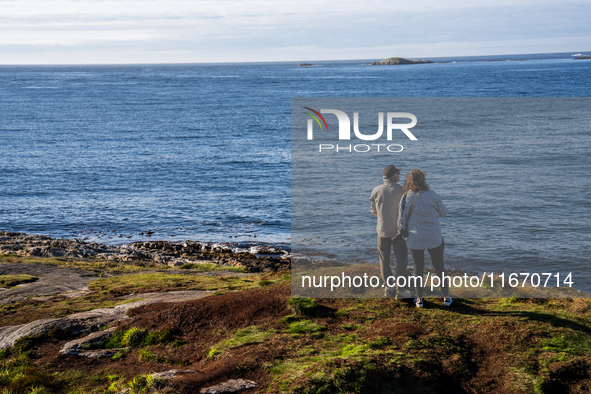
(408, 221)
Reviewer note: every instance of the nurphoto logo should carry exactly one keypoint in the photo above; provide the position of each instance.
(345, 130)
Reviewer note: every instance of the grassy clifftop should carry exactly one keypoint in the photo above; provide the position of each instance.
(251, 329)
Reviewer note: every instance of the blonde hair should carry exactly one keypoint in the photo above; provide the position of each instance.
(415, 181)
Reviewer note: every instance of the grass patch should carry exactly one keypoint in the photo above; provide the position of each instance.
(146, 355)
(242, 337)
(302, 306)
(568, 344)
(120, 354)
(305, 327)
(107, 290)
(161, 282)
(273, 278)
(21, 312)
(135, 337)
(545, 347)
(141, 384)
(209, 267)
(352, 327)
(362, 311)
(97, 266)
(20, 374)
(158, 338)
(341, 363)
(370, 345)
(8, 281)
(289, 319)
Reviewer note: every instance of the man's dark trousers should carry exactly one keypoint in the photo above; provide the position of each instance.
(385, 245)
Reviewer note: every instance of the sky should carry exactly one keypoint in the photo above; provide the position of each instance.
(182, 31)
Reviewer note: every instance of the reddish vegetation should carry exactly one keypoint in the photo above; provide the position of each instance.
(205, 322)
(201, 323)
(450, 353)
(223, 312)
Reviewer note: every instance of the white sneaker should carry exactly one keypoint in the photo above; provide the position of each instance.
(447, 301)
(418, 304)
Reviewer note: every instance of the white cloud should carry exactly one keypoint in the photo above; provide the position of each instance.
(229, 30)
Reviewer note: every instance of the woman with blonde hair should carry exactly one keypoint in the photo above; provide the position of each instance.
(418, 218)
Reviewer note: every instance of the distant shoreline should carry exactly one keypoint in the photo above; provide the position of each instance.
(295, 62)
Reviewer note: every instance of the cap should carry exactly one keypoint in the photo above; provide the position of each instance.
(390, 171)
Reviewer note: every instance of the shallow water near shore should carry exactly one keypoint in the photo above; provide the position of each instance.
(118, 154)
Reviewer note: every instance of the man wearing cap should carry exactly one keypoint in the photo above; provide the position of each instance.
(384, 205)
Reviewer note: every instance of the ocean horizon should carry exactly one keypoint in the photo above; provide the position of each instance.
(202, 151)
(500, 57)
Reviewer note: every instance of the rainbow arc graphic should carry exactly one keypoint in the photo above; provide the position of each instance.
(316, 118)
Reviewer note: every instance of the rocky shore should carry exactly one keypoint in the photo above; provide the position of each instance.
(255, 257)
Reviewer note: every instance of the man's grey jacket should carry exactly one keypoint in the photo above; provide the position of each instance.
(384, 205)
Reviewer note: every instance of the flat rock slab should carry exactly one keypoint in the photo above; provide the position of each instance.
(231, 386)
(53, 279)
(172, 373)
(92, 320)
(99, 353)
(75, 347)
(74, 324)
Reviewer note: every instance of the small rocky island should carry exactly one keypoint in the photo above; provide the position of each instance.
(391, 61)
(583, 57)
(306, 65)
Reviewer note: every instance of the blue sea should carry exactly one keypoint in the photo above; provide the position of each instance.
(202, 151)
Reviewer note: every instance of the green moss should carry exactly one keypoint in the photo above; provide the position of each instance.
(289, 319)
(136, 338)
(115, 341)
(93, 265)
(242, 337)
(352, 327)
(8, 281)
(146, 355)
(350, 350)
(120, 354)
(332, 375)
(342, 312)
(342, 338)
(178, 343)
(568, 344)
(209, 267)
(307, 351)
(303, 306)
(159, 282)
(379, 343)
(305, 327)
